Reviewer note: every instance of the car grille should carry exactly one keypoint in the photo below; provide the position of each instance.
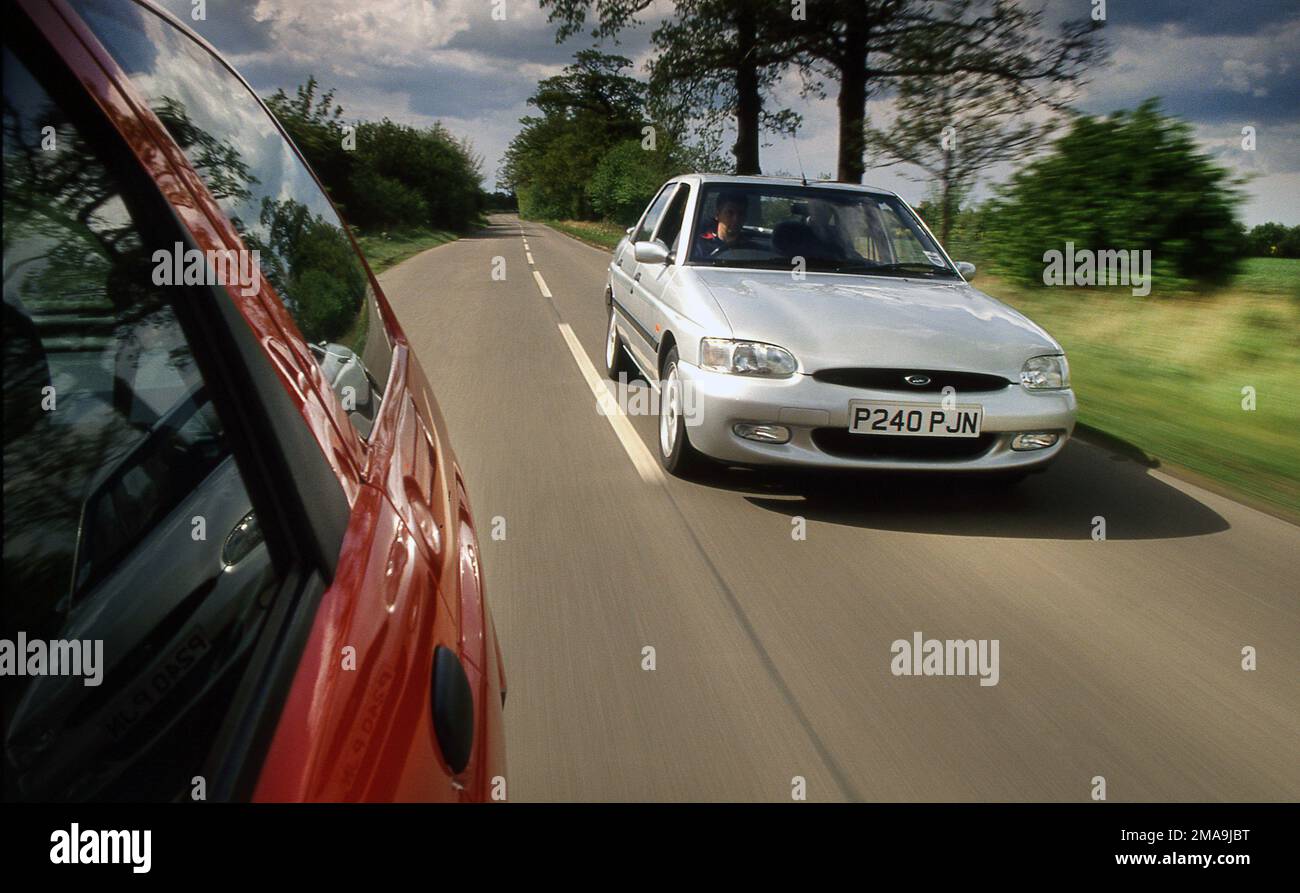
(894, 380)
(846, 445)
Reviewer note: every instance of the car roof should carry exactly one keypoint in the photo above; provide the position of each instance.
(759, 180)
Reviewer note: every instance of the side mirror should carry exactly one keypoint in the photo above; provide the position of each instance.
(348, 377)
(651, 253)
(966, 269)
(630, 229)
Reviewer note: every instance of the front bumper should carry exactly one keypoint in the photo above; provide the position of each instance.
(811, 409)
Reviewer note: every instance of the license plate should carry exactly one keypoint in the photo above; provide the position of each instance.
(914, 419)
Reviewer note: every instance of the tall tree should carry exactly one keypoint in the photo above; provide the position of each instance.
(717, 59)
(869, 45)
(953, 128)
(585, 111)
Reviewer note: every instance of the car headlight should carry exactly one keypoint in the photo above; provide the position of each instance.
(746, 357)
(1045, 373)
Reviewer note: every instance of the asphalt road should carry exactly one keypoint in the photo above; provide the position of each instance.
(1119, 658)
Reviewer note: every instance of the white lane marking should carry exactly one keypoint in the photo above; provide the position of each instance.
(541, 283)
(530, 257)
(645, 464)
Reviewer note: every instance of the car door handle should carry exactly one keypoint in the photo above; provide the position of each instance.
(637, 277)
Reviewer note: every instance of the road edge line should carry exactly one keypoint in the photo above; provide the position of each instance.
(644, 463)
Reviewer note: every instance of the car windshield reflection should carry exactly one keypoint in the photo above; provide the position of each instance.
(814, 229)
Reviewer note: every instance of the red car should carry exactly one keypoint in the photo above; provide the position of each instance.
(239, 557)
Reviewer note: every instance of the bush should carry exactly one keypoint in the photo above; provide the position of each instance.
(385, 203)
(395, 176)
(429, 163)
(586, 111)
(1134, 180)
(628, 177)
(1273, 240)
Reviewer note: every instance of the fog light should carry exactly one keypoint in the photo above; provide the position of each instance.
(763, 433)
(1037, 441)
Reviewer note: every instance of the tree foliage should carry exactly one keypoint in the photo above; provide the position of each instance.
(717, 60)
(721, 59)
(628, 176)
(953, 128)
(868, 46)
(588, 109)
(1273, 240)
(1133, 180)
(384, 175)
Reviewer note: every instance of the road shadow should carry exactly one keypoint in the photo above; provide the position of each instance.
(494, 229)
(1086, 481)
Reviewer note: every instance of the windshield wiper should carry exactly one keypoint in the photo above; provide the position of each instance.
(916, 269)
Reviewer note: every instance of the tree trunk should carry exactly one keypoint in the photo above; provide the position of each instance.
(748, 102)
(852, 103)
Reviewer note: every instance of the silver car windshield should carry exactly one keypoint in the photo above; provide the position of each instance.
(827, 230)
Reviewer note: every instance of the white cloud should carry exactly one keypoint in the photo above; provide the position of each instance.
(1238, 76)
(356, 36)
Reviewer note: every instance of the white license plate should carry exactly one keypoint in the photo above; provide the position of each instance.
(914, 419)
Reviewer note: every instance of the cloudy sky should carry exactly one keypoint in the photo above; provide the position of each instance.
(1222, 65)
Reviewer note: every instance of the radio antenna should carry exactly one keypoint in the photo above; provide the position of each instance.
(802, 176)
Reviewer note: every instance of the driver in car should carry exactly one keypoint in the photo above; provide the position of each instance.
(727, 229)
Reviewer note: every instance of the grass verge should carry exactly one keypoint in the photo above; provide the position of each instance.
(598, 233)
(1170, 374)
(387, 249)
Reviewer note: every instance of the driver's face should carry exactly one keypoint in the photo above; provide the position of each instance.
(730, 217)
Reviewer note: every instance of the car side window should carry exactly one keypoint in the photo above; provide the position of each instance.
(122, 498)
(267, 191)
(653, 214)
(671, 225)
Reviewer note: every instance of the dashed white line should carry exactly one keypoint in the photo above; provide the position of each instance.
(636, 450)
(645, 464)
(530, 257)
(541, 283)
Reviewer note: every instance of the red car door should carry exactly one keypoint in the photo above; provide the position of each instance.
(396, 692)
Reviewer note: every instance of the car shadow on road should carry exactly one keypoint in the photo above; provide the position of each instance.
(1084, 483)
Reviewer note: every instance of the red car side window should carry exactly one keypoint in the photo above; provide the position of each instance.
(265, 189)
(129, 532)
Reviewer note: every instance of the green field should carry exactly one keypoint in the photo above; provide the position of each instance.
(383, 250)
(1166, 373)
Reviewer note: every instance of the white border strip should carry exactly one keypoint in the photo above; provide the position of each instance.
(541, 283)
(642, 460)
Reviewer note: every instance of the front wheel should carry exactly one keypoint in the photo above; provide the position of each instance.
(676, 454)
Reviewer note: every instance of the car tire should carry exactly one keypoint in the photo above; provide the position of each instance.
(617, 361)
(676, 454)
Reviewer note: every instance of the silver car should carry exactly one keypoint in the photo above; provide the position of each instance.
(796, 324)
